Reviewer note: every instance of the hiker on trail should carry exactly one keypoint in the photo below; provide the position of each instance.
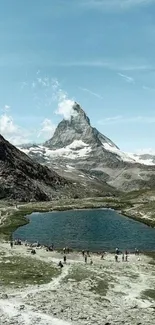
(33, 251)
(11, 244)
(123, 257)
(85, 258)
(83, 252)
(65, 258)
(136, 251)
(116, 257)
(126, 258)
(60, 264)
(117, 251)
(102, 256)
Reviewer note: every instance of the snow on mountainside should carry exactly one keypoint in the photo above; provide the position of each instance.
(78, 150)
(131, 157)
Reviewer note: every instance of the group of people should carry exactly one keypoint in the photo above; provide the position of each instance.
(67, 250)
(124, 254)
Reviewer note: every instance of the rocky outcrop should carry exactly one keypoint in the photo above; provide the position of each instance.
(23, 179)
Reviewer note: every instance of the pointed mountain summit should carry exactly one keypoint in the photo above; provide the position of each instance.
(79, 152)
(77, 128)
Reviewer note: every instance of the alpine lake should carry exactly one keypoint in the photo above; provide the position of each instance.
(93, 230)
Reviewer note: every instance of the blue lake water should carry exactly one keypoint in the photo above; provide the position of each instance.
(95, 230)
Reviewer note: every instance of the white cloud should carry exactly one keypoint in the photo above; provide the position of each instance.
(6, 107)
(65, 104)
(114, 5)
(48, 128)
(12, 132)
(46, 91)
(121, 119)
(91, 92)
(107, 64)
(65, 108)
(148, 88)
(126, 78)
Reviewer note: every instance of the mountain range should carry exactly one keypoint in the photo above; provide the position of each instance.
(79, 152)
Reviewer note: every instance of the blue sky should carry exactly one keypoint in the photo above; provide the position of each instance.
(100, 53)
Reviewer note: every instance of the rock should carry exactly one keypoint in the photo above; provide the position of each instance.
(22, 307)
(4, 296)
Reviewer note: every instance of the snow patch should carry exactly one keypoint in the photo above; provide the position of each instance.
(122, 155)
(128, 157)
(70, 167)
(139, 159)
(77, 144)
(74, 150)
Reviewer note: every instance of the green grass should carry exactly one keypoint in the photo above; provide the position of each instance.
(78, 274)
(101, 287)
(81, 274)
(19, 271)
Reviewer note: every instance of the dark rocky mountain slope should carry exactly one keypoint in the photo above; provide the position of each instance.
(23, 179)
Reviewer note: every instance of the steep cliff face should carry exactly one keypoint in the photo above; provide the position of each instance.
(77, 128)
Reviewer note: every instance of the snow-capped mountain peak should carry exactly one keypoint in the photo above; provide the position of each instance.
(77, 128)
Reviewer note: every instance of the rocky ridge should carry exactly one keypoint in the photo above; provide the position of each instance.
(23, 179)
(78, 151)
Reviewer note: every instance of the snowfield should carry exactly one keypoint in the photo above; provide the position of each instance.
(75, 150)
(79, 149)
(128, 157)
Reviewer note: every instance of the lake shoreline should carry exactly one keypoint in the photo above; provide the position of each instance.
(15, 217)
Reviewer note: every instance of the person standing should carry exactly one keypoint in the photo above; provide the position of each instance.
(11, 244)
(65, 258)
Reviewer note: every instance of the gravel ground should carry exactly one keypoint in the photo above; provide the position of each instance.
(106, 292)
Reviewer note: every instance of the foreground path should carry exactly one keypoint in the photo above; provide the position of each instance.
(105, 292)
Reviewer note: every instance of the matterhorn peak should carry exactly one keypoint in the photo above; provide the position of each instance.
(76, 128)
